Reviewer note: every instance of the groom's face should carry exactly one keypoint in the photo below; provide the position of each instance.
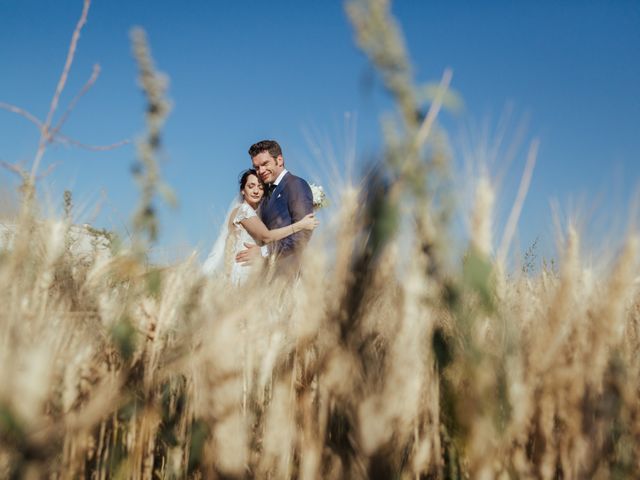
(268, 167)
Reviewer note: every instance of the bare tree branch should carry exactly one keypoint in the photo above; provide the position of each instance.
(55, 135)
(23, 113)
(95, 148)
(17, 169)
(44, 132)
(87, 86)
(48, 171)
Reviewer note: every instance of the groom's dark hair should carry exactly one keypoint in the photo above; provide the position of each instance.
(270, 146)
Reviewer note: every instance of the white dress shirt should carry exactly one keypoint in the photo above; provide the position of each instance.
(264, 249)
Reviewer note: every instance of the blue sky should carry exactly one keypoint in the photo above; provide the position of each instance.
(569, 72)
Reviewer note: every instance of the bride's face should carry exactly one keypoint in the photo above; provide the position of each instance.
(253, 191)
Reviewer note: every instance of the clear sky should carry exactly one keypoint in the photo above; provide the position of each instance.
(567, 72)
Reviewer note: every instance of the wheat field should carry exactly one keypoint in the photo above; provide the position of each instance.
(392, 355)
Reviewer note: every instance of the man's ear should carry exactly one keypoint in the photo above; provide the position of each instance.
(280, 161)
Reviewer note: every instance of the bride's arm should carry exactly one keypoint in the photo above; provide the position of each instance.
(261, 233)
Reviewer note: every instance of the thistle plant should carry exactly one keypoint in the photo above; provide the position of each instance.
(147, 171)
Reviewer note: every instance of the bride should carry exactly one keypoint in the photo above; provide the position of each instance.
(243, 225)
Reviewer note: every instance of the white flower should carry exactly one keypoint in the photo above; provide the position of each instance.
(319, 197)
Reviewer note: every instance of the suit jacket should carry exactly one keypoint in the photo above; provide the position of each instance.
(289, 202)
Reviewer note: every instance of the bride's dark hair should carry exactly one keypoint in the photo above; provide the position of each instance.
(244, 176)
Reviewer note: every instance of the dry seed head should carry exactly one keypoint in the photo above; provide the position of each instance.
(340, 374)
(231, 440)
(31, 381)
(310, 290)
(280, 431)
(481, 219)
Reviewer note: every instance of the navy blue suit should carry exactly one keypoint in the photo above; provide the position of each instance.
(288, 203)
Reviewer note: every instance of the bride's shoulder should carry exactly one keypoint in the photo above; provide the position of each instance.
(242, 212)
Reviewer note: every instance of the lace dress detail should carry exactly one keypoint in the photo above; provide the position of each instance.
(238, 236)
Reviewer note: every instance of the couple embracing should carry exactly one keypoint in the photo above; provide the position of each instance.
(272, 219)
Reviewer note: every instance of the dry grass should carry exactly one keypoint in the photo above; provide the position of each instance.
(379, 361)
(362, 367)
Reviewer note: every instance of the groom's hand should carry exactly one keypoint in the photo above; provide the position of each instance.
(250, 255)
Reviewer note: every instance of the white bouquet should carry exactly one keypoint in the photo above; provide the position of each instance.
(319, 197)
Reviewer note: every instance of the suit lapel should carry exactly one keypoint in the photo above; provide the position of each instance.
(268, 211)
(278, 190)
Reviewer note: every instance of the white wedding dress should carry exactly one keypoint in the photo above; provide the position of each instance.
(221, 261)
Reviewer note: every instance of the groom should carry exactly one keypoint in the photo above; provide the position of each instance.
(287, 199)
